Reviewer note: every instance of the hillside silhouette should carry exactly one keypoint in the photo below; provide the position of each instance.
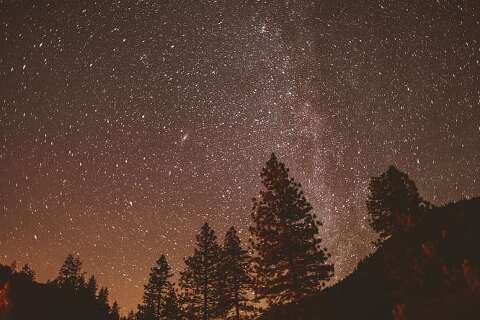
(431, 272)
(23, 298)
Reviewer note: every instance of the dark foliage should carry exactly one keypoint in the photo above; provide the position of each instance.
(235, 279)
(289, 263)
(156, 292)
(115, 312)
(172, 309)
(66, 298)
(200, 281)
(394, 204)
(437, 275)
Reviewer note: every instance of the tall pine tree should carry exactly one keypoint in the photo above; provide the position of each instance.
(200, 279)
(157, 290)
(235, 278)
(288, 261)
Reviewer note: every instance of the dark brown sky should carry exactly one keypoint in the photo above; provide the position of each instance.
(125, 126)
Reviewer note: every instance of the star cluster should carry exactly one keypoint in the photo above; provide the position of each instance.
(125, 125)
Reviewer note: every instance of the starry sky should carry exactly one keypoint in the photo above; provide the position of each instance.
(125, 125)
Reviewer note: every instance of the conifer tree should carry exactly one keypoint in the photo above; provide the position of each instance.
(102, 301)
(393, 204)
(199, 281)
(92, 287)
(27, 272)
(288, 261)
(171, 310)
(157, 288)
(235, 279)
(103, 295)
(115, 312)
(70, 274)
(146, 312)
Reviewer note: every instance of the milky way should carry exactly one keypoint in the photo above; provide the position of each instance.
(125, 126)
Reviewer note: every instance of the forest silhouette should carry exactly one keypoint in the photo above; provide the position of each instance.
(426, 266)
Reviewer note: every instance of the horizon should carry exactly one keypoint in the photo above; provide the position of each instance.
(125, 126)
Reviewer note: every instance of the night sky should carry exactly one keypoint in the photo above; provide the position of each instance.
(126, 125)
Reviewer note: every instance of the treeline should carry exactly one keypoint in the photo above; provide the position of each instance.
(284, 262)
(68, 296)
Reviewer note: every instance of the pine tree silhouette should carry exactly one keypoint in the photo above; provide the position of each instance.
(70, 275)
(157, 289)
(393, 204)
(235, 278)
(27, 272)
(200, 279)
(146, 312)
(115, 312)
(288, 262)
(102, 301)
(92, 287)
(171, 311)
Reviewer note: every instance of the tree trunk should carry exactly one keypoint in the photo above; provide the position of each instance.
(237, 307)
(205, 304)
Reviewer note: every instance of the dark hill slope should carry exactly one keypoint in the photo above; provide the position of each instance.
(432, 272)
(24, 299)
